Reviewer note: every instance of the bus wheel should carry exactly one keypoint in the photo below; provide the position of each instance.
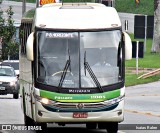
(112, 127)
(28, 121)
(91, 125)
(102, 125)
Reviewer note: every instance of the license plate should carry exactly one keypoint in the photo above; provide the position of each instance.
(2, 88)
(80, 115)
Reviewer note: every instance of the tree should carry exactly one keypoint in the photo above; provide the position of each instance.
(7, 30)
(156, 35)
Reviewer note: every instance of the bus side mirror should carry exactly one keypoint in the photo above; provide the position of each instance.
(29, 47)
(128, 46)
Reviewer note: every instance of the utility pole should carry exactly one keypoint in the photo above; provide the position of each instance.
(23, 7)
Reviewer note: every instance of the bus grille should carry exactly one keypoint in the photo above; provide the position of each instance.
(78, 105)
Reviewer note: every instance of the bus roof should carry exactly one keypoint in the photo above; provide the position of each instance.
(76, 16)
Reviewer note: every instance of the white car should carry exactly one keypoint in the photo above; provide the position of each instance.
(9, 81)
(13, 63)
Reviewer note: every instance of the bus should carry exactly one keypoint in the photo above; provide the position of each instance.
(72, 66)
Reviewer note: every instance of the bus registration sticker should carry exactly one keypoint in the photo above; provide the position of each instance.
(80, 114)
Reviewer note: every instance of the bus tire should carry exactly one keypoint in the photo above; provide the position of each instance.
(28, 121)
(91, 125)
(101, 125)
(112, 127)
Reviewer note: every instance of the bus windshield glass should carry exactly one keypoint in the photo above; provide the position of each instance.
(78, 59)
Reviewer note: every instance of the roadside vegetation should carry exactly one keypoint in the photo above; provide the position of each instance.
(9, 46)
(145, 7)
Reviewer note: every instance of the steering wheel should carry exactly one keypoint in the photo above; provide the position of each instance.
(59, 72)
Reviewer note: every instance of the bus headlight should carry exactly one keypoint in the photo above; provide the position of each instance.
(43, 100)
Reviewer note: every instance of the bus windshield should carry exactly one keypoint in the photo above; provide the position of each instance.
(78, 59)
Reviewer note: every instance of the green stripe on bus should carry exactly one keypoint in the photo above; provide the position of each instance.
(97, 97)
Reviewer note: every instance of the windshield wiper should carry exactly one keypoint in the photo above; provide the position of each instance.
(67, 65)
(91, 73)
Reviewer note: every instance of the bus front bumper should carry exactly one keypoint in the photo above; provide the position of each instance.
(114, 115)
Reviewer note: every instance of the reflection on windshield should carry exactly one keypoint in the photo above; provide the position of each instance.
(90, 71)
(61, 58)
(56, 52)
(15, 65)
(7, 72)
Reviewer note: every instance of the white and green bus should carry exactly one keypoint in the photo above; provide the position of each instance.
(72, 66)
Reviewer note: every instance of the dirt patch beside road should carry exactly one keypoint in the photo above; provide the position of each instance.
(132, 70)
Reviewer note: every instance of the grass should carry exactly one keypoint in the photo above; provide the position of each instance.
(132, 79)
(145, 7)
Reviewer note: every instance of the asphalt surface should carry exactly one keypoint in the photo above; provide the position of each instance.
(144, 99)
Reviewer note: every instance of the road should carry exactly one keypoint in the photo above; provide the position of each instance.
(141, 107)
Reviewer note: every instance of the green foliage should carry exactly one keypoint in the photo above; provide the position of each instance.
(7, 31)
(145, 7)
